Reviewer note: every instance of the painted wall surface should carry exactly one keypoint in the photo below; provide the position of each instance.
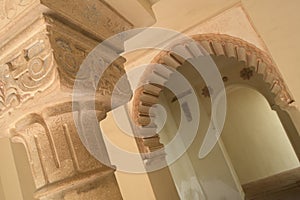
(117, 132)
(8, 172)
(209, 178)
(179, 15)
(24, 172)
(254, 137)
(2, 194)
(278, 24)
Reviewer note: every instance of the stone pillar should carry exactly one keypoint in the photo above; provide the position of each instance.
(42, 45)
(289, 117)
(62, 168)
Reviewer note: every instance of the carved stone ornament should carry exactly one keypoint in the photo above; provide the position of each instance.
(246, 73)
(31, 70)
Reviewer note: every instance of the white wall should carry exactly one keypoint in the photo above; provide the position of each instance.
(254, 137)
(211, 175)
(132, 185)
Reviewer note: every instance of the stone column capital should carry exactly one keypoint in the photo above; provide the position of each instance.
(38, 67)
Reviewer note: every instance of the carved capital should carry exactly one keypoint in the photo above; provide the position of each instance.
(39, 67)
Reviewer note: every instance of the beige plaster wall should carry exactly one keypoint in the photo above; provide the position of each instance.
(24, 172)
(278, 23)
(8, 173)
(254, 137)
(179, 15)
(132, 185)
(2, 194)
(211, 175)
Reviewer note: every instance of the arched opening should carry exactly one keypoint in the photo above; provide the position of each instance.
(215, 177)
(257, 144)
(255, 138)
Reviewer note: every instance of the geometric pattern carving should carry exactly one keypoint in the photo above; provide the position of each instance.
(69, 57)
(70, 49)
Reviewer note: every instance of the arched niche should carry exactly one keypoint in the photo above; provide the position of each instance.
(254, 133)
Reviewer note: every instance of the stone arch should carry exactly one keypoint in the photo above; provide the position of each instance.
(255, 61)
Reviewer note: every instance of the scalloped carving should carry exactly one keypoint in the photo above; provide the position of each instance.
(218, 45)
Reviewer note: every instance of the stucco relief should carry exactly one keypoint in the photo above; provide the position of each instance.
(69, 55)
(25, 73)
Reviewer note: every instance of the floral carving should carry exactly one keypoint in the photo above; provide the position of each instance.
(246, 73)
